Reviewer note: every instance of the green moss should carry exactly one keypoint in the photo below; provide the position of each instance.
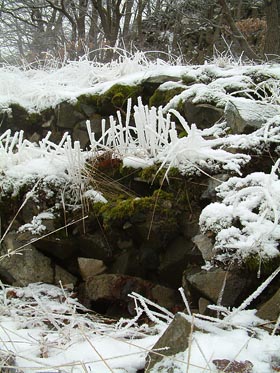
(162, 97)
(139, 209)
(182, 134)
(23, 119)
(90, 100)
(113, 99)
(188, 79)
(116, 97)
(266, 266)
(152, 174)
(180, 106)
(34, 119)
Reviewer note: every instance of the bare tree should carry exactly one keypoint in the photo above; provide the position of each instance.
(272, 39)
(235, 32)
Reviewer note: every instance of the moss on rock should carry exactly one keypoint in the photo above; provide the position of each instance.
(117, 212)
(115, 98)
(161, 97)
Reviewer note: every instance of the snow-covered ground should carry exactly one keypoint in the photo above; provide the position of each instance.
(40, 325)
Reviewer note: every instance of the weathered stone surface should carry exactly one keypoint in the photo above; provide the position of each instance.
(175, 338)
(203, 115)
(128, 263)
(175, 259)
(30, 209)
(205, 246)
(30, 266)
(245, 116)
(116, 287)
(210, 284)
(81, 136)
(94, 246)
(61, 276)
(67, 116)
(229, 366)
(202, 305)
(212, 183)
(61, 249)
(91, 267)
(270, 309)
(160, 79)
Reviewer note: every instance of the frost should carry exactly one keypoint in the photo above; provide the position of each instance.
(154, 139)
(94, 196)
(246, 220)
(37, 226)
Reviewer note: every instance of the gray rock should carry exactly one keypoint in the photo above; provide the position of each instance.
(210, 192)
(209, 284)
(270, 309)
(175, 259)
(29, 210)
(91, 267)
(94, 246)
(61, 249)
(116, 287)
(203, 115)
(67, 116)
(61, 276)
(28, 266)
(244, 115)
(175, 339)
(89, 110)
(160, 79)
(204, 245)
(81, 136)
(202, 305)
(128, 263)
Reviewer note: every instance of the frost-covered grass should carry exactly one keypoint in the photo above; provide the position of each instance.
(246, 220)
(59, 169)
(43, 328)
(155, 140)
(37, 88)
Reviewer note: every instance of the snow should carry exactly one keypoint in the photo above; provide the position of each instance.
(46, 328)
(38, 89)
(40, 324)
(252, 203)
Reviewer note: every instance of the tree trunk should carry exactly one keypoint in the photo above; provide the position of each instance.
(272, 37)
(236, 33)
(127, 19)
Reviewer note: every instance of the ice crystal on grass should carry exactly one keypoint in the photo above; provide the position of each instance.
(37, 225)
(246, 220)
(154, 139)
(50, 174)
